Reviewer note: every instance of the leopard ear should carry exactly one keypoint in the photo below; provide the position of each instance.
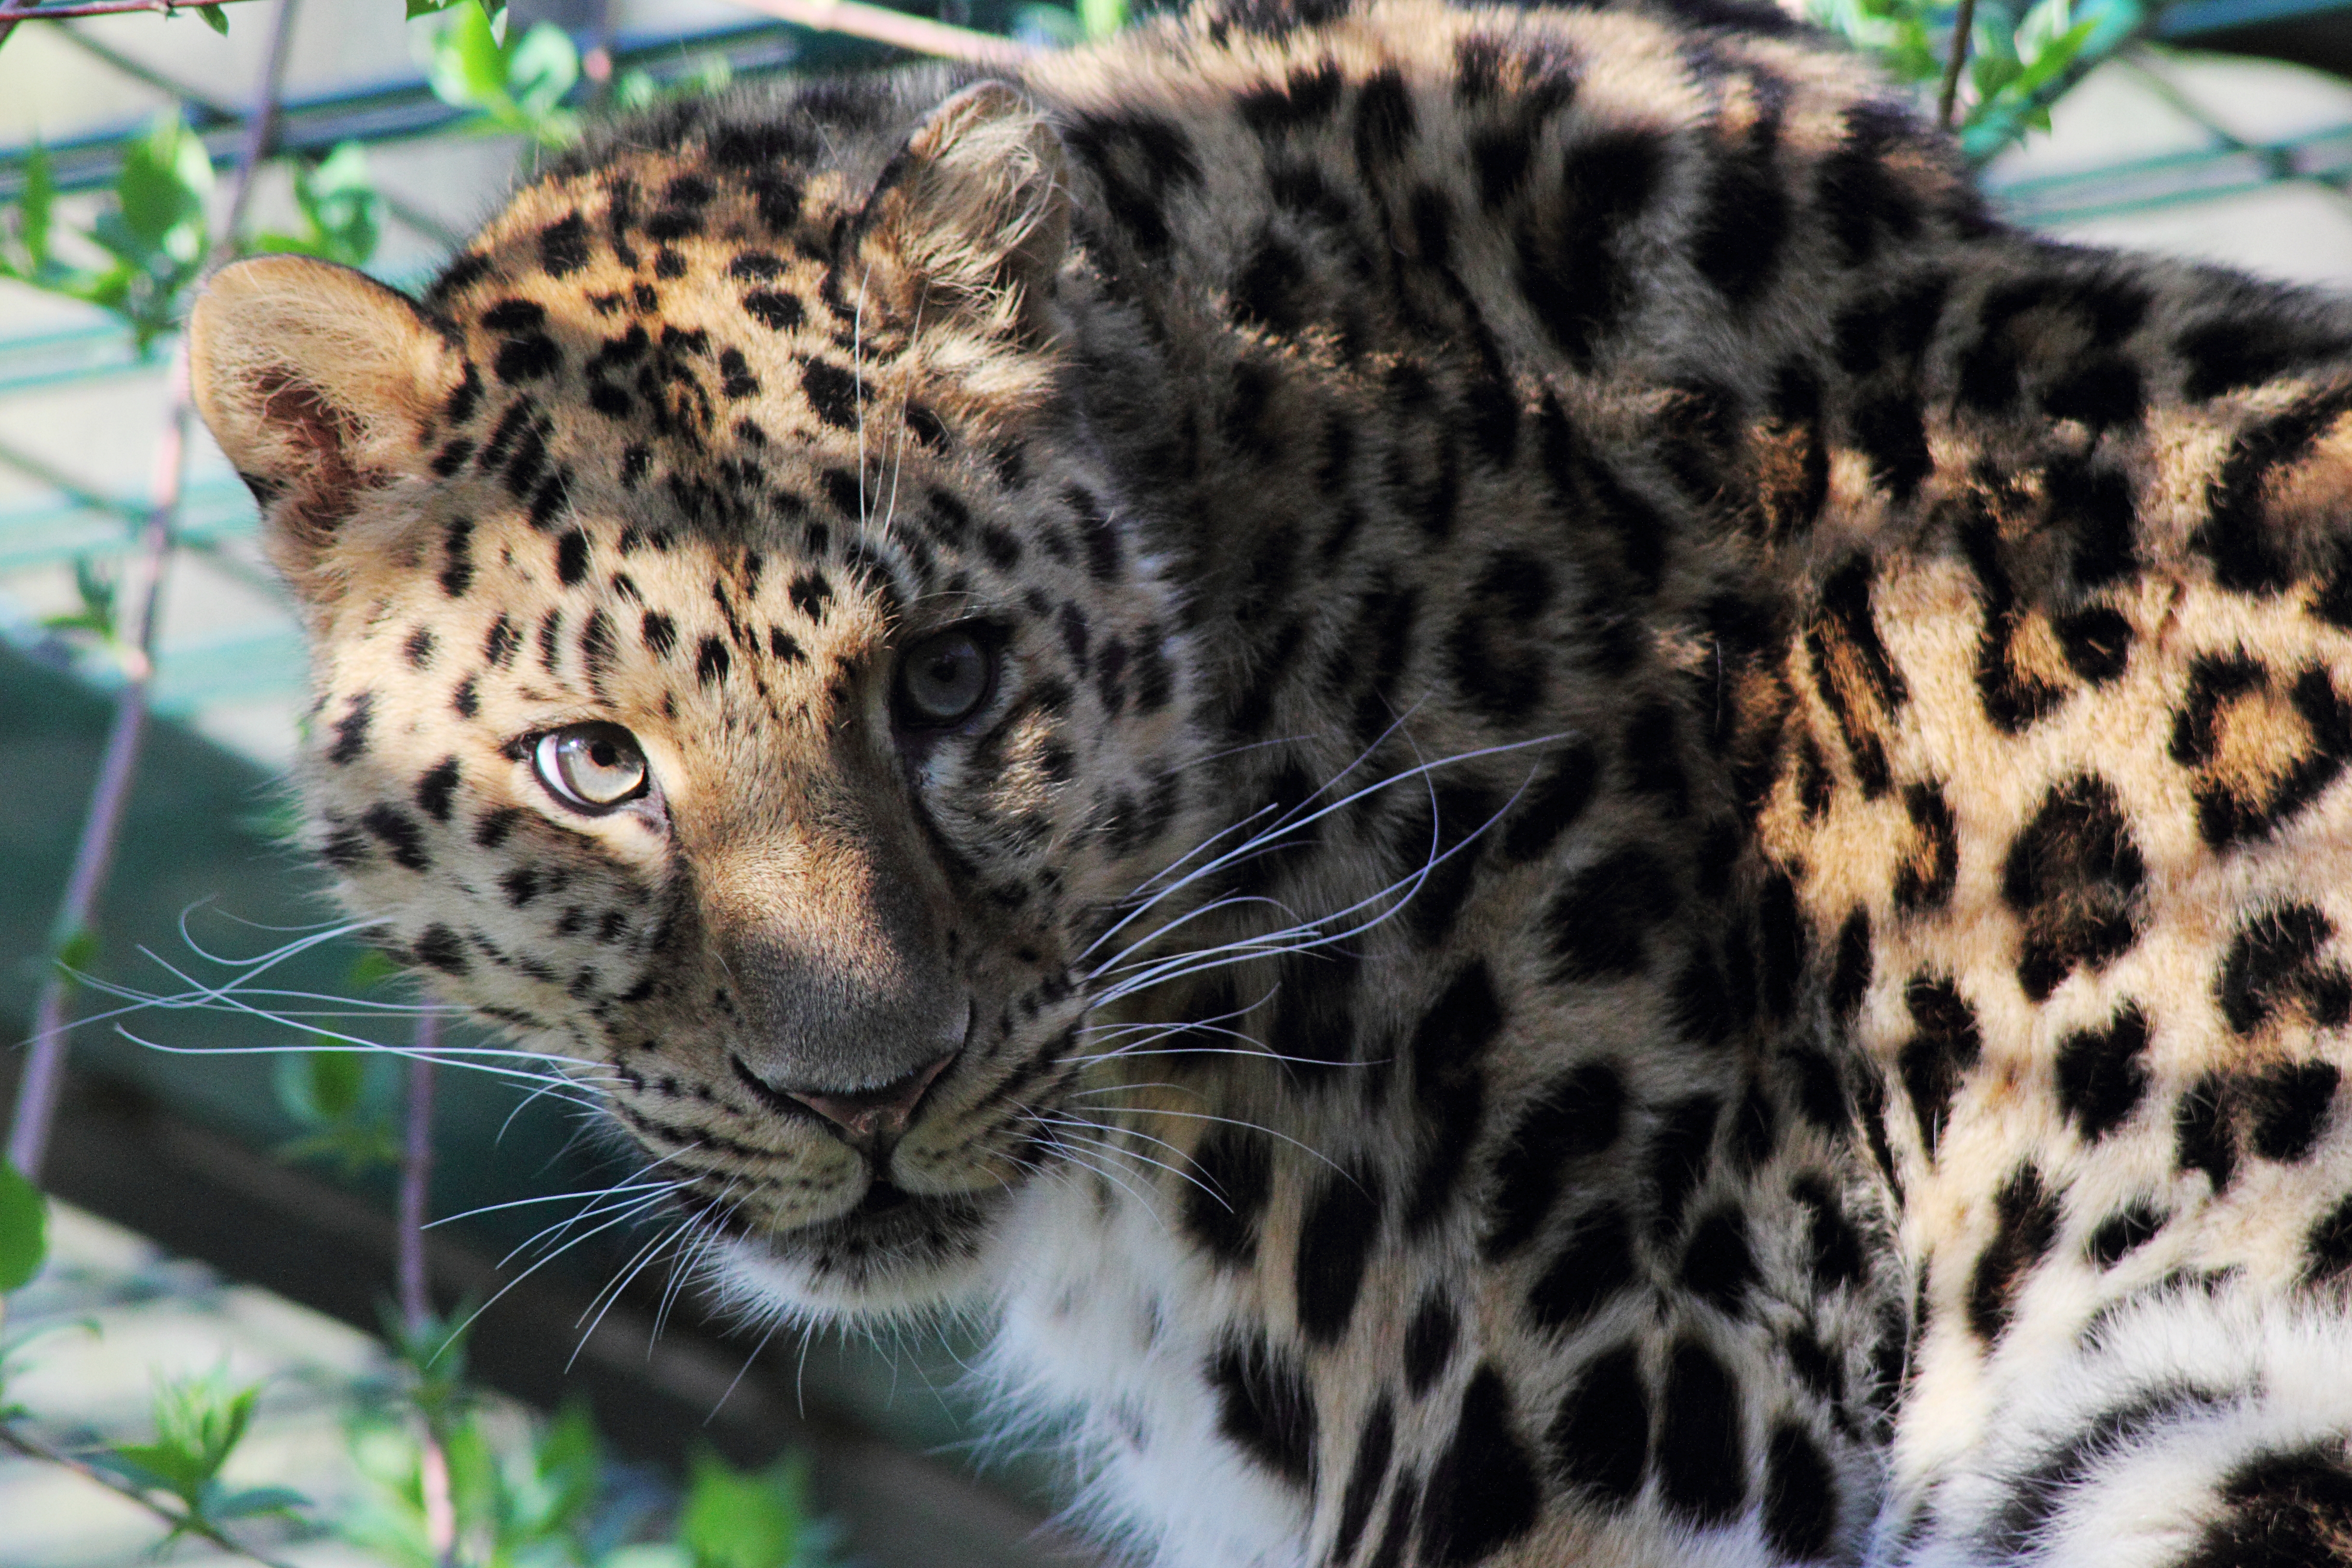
(977, 208)
(320, 384)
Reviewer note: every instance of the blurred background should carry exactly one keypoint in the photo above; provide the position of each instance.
(224, 1211)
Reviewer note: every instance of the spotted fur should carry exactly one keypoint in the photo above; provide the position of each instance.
(1656, 872)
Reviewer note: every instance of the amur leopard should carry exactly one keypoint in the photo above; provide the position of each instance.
(1545, 816)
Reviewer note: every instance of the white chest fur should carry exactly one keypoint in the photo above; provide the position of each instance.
(1111, 1321)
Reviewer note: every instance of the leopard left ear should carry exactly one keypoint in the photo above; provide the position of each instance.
(976, 208)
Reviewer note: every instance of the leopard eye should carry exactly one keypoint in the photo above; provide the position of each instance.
(591, 767)
(944, 678)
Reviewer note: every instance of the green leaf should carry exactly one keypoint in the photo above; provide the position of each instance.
(77, 955)
(1101, 19)
(372, 967)
(740, 1519)
(24, 1229)
(253, 1501)
(335, 1080)
(214, 19)
(34, 206)
(541, 67)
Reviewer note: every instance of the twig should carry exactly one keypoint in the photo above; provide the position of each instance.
(209, 111)
(416, 1296)
(417, 1178)
(185, 1523)
(12, 15)
(44, 1076)
(917, 34)
(1962, 27)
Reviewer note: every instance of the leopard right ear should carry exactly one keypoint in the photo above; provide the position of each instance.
(320, 384)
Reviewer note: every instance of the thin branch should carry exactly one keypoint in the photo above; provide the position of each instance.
(917, 34)
(44, 1075)
(1963, 25)
(209, 109)
(183, 1522)
(415, 1294)
(13, 15)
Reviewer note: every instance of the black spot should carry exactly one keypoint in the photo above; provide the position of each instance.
(440, 948)
(1139, 160)
(1702, 1455)
(2329, 1246)
(2230, 353)
(1891, 432)
(1859, 193)
(2290, 1103)
(1853, 672)
(2273, 962)
(1678, 1154)
(1267, 1406)
(1780, 945)
(781, 645)
(2102, 1073)
(564, 245)
(2096, 643)
(1306, 97)
(1800, 1496)
(1580, 1115)
(464, 699)
(2249, 551)
(774, 309)
(710, 663)
(572, 557)
(1575, 279)
(1233, 1176)
(1836, 1247)
(1336, 1235)
(1482, 1493)
(2203, 1137)
(351, 731)
(2130, 1227)
(1601, 918)
(1552, 803)
(1737, 243)
(1935, 1060)
(527, 358)
(437, 784)
(832, 391)
(659, 632)
(2074, 874)
(1924, 879)
(1384, 120)
(1600, 1438)
(400, 834)
(1449, 1081)
(1850, 978)
(1718, 1264)
(1593, 1265)
(2290, 1510)
(2026, 1223)
(1365, 1473)
(2098, 506)
(1428, 1344)
(418, 650)
(737, 382)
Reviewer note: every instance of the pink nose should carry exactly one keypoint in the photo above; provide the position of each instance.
(879, 1112)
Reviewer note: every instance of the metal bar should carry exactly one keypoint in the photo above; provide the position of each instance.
(2194, 18)
(917, 34)
(397, 109)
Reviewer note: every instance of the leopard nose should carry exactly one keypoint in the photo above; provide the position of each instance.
(879, 1113)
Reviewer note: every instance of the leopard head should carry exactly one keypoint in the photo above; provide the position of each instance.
(737, 672)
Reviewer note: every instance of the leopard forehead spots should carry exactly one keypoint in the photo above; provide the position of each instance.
(1541, 813)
